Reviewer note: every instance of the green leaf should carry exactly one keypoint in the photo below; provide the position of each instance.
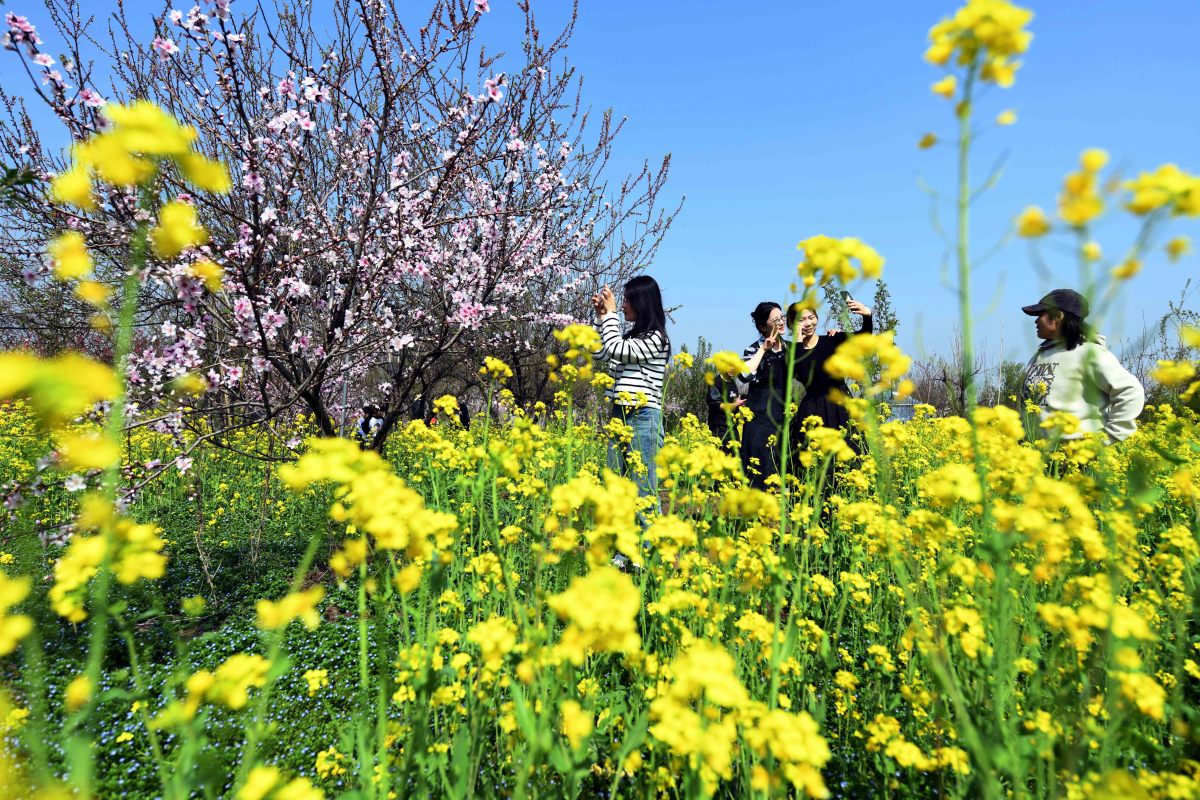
(560, 759)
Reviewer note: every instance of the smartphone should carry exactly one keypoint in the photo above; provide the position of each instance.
(846, 296)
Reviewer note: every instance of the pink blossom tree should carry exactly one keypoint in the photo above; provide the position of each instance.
(403, 200)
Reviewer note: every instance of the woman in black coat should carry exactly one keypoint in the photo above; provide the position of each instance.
(766, 378)
(812, 351)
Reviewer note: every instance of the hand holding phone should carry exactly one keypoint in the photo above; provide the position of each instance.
(858, 308)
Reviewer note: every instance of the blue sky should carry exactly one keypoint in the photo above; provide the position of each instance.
(789, 119)
(786, 120)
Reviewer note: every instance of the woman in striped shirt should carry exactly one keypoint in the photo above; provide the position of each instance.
(637, 361)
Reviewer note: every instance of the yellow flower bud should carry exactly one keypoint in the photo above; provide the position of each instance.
(211, 273)
(71, 257)
(177, 230)
(203, 173)
(74, 187)
(93, 293)
(1094, 159)
(79, 691)
(1127, 270)
(945, 87)
(1178, 247)
(1032, 223)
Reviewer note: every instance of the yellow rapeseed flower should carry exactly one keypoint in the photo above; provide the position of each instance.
(577, 724)
(329, 763)
(1167, 187)
(795, 744)
(1127, 269)
(353, 553)
(1032, 223)
(408, 579)
(208, 271)
(1173, 373)
(601, 613)
(1178, 247)
(302, 605)
(496, 637)
(235, 677)
(950, 483)
(93, 293)
(13, 627)
(495, 369)
(828, 259)
(89, 450)
(1093, 159)
(72, 572)
(70, 255)
(144, 127)
(987, 31)
(579, 337)
(78, 693)
(447, 406)
(967, 624)
(58, 388)
(857, 356)
(190, 383)
(139, 552)
(727, 363)
(259, 783)
(194, 606)
(74, 187)
(945, 87)
(109, 156)
(1080, 202)
(1144, 693)
(177, 230)
(317, 679)
(203, 173)
(125, 154)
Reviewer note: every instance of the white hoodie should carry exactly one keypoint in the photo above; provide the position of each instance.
(1089, 383)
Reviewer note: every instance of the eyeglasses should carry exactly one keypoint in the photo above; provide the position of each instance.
(776, 320)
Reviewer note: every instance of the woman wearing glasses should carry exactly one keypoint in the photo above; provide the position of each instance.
(766, 378)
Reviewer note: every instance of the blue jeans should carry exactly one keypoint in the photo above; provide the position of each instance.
(647, 438)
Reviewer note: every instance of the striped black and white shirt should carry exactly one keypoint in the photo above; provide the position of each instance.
(638, 365)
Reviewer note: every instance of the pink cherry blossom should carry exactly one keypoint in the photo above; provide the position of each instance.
(353, 254)
(91, 98)
(491, 88)
(165, 47)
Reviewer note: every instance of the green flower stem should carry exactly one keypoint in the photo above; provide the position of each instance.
(255, 726)
(80, 757)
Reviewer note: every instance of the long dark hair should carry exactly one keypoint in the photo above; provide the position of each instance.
(762, 312)
(1073, 330)
(645, 298)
